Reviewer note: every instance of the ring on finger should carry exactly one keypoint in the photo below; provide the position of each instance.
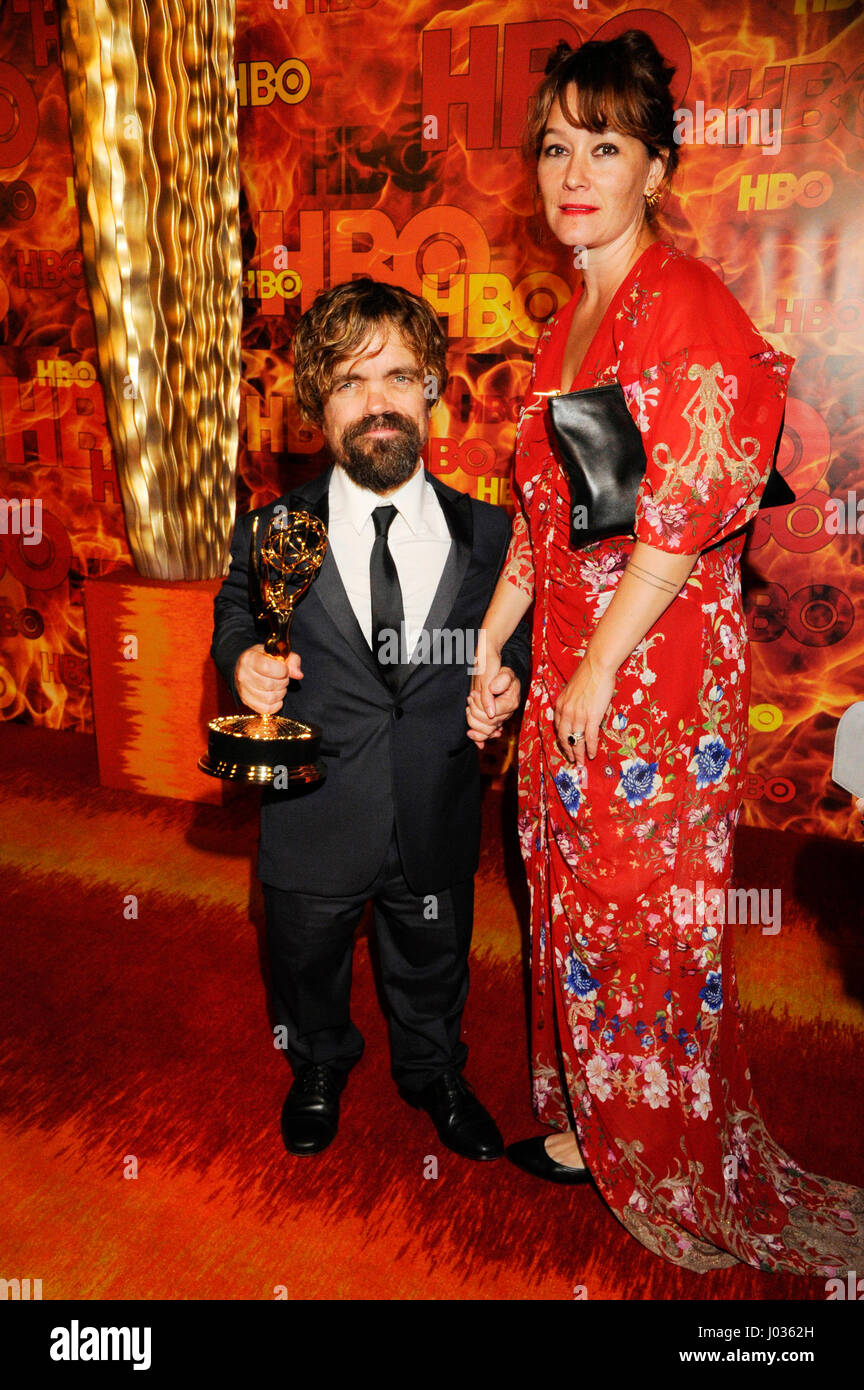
(573, 739)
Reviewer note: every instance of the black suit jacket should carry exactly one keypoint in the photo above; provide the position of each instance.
(402, 757)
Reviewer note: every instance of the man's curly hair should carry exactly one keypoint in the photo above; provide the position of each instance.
(339, 324)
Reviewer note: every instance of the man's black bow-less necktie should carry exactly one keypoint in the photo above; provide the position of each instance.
(387, 612)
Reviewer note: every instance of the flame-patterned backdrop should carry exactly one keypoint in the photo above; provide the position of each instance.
(382, 137)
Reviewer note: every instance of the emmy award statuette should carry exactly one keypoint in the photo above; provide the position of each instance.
(268, 749)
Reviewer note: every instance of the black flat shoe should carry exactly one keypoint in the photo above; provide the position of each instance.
(310, 1115)
(530, 1155)
(463, 1124)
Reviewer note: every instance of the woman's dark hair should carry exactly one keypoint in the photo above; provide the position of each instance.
(621, 84)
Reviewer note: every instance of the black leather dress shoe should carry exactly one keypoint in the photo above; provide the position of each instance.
(310, 1115)
(461, 1121)
(530, 1155)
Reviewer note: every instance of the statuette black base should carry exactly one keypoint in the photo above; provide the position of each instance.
(262, 751)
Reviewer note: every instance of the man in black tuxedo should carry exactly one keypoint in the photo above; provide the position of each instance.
(410, 568)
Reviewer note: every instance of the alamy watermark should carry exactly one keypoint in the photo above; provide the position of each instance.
(851, 1288)
(21, 517)
(20, 1289)
(845, 517)
(734, 125)
(713, 906)
(439, 646)
(77, 1343)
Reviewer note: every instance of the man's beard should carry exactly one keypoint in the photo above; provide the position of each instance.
(380, 464)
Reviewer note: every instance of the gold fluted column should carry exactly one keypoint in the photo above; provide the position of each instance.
(152, 106)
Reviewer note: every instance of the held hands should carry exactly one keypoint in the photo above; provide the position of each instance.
(262, 680)
(493, 697)
(581, 708)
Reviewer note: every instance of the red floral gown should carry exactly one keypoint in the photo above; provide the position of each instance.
(635, 1007)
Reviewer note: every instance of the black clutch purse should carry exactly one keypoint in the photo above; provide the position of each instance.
(600, 447)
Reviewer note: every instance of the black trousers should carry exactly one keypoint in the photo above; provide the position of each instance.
(423, 947)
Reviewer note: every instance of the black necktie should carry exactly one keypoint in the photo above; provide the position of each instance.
(386, 594)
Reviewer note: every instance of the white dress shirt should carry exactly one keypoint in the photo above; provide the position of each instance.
(419, 541)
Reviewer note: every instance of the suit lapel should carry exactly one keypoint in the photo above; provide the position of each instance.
(328, 588)
(456, 507)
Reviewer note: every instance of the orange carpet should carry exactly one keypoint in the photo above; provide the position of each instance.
(141, 1044)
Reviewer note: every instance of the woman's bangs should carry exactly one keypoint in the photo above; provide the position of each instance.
(596, 108)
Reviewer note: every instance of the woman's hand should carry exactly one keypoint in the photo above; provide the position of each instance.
(651, 580)
(493, 697)
(495, 689)
(581, 707)
(480, 709)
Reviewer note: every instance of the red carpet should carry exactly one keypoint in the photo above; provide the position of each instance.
(146, 1039)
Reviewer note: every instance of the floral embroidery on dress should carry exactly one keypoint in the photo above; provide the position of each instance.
(639, 987)
(518, 567)
(637, 304)
(643, 397)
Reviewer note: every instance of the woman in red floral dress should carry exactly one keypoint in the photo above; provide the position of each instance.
(634, 736)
